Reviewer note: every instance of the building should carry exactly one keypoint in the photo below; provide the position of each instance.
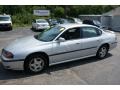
(103, 19)
(109, 20)
(90, 17)
(114, 18)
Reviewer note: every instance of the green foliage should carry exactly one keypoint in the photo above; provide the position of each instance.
(73, 11)
(59, 12)
(24, 14)
(22, 18)
(108, 8)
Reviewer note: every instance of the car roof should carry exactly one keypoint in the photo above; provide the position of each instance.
(72, 25)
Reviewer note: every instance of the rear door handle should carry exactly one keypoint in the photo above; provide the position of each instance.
(98, 40)
(77, 43)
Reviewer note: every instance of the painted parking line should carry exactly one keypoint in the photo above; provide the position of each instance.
(77, 76)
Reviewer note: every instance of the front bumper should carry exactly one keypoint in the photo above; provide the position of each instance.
(13, 64)
(42, 27)
(5, 27)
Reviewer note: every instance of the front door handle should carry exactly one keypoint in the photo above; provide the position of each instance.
(77, 43)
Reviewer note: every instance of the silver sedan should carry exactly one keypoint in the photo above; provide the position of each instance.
(40, 24)
(59, 44)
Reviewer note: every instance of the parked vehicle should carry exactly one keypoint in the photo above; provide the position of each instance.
(52, 22)
(59, 44)
(5, 22)
(75, 20)
(40, 24)
(64, 21)
(92, 22)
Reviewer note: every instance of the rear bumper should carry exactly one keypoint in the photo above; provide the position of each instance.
(13, 64)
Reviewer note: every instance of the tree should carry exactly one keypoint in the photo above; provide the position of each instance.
(23, 14)
(59, 12)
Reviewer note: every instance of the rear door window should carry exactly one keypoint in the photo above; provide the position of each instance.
(88, 32)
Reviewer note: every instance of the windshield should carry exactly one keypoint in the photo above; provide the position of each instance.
(4, 18)
(50, 34)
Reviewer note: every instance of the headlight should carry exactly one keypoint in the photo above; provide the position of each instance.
(9, 24)
(7, 54)
(38, 25)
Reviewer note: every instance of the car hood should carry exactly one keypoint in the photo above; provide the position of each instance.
(24, 43)
(1, 22)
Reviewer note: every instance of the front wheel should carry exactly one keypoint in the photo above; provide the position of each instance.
(35, 64)
(102, 52)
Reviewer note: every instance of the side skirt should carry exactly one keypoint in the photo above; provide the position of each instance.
(51, 64)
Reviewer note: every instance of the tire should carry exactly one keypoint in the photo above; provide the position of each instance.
(35, 64)
(102, 52)
(11, 28)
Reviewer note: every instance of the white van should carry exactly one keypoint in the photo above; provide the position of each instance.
(5, 22)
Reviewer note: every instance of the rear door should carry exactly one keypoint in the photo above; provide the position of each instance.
(91, 39)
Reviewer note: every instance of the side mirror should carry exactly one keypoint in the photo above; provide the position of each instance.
(61, 39)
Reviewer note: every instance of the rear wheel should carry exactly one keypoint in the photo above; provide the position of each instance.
(35, 64)
(102, 52)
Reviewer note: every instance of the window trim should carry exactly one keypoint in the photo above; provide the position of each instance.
(57, 37)
(64, 32)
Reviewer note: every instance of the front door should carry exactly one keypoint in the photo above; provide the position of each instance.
(69, 49)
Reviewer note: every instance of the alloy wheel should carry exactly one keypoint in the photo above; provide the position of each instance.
(36, 64)
(102, 52)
